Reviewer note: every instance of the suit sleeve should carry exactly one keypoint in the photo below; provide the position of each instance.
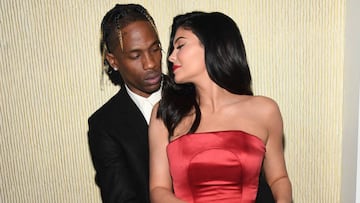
(109, 160)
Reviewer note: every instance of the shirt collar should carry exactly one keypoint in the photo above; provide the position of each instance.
(139, 100)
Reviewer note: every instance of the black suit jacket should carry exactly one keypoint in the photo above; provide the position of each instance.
(118, 142)
(264, 194)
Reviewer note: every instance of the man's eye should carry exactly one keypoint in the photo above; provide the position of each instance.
(156, 48)
(134, 56)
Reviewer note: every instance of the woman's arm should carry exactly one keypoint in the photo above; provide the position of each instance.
(160, 179)
(274, 162)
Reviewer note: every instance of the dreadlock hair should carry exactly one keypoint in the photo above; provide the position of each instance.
(116, 19)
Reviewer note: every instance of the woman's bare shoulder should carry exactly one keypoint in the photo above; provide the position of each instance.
(263, 101)
(155, 121)
(266, 105)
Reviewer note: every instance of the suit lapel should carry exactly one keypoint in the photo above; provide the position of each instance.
(131, 114)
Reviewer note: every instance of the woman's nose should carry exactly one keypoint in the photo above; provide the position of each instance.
(172, 58)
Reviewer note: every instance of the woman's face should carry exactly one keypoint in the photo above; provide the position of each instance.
(188, 57)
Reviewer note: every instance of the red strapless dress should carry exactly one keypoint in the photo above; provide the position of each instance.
(219, 166)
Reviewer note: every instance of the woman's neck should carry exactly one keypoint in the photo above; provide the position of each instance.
(213, 97)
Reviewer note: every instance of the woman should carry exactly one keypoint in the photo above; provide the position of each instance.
(209, 136)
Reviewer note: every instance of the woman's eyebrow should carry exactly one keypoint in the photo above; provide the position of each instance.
(177, 39)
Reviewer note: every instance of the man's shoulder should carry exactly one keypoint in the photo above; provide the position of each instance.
(110, 109)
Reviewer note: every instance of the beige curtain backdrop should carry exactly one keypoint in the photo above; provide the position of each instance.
(50, 85)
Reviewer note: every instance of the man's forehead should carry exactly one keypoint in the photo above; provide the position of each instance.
(139, 35)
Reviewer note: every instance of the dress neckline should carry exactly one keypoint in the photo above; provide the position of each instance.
(218, 132)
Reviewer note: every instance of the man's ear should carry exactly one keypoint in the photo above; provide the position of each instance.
(112, 61)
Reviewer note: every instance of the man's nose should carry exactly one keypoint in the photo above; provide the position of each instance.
(149, 61)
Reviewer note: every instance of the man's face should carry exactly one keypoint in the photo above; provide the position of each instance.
(139, 60)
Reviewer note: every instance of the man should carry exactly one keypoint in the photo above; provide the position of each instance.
(118, 131)
(118, 137)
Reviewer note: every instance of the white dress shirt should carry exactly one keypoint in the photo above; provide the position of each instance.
(145, 104)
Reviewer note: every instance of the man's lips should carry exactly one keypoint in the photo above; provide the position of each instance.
(153, 78)
(175, 67)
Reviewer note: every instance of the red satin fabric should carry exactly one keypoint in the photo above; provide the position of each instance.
(219, 166)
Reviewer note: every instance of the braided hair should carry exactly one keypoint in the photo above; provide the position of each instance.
(116, 19)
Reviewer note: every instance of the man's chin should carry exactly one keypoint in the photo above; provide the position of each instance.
(153, 88)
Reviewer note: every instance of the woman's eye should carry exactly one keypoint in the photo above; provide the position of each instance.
(180, 46)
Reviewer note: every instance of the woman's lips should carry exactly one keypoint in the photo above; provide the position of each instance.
(175, 67)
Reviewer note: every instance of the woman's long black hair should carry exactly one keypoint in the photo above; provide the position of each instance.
(225, 60)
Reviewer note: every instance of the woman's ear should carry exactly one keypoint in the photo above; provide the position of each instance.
(112, 61)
